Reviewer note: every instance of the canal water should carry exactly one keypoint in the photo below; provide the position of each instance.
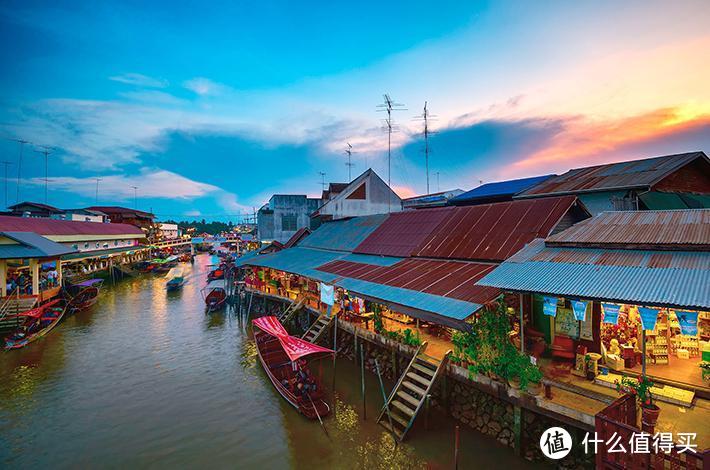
(146, 379)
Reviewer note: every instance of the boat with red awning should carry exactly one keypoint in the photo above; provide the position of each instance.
(284, 360)
(37, 323)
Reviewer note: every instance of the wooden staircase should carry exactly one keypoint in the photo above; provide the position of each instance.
(9, 309)
(318, 327)
(411, 391)
(286, 315)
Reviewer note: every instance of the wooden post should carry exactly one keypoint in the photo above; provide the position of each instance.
(517, 430)
(427, 407)
(522, 327)
(3, 277)
(335, 347)
(456, 448)
(34, 268)
(362, 377)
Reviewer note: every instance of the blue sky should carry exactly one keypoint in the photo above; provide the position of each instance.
(210, 109)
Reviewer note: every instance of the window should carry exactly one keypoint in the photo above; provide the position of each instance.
(115, 243)
(86, 245)
(75, 246)
(98, 245)
(289, 223)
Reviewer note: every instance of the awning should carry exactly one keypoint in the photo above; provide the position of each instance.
(295, 348)
(37, 311)
(89, 282)
(102, 253)
(297, 260)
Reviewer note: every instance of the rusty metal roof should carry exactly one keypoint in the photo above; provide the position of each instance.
(613, 176)
(667, 229)
(493, 232)
(53, 227)
(663, 278)
(343, 235)
(403, 232)
(450, 279)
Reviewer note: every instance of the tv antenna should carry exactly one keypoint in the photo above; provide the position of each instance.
(426, 116)
(322, 180)
(46, 151)
(19, 164)
(349, 152)
(6, 163)
(438, 188)
(97, 190)
(388, 106)
(135, 197)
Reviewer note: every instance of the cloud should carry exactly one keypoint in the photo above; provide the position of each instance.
(204, 87)
(228, 201)
(140, 80)
(151, 183)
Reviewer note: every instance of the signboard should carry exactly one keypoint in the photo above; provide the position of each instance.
(688, 322)
(566, 324)
(327, 294)
(611, 313)
(198, 240)
(549, 306)
(648, 317)
(579, 307)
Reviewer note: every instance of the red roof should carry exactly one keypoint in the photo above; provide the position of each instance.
(296, 237)
(403, 232)
(50, 227)
(453, 279)
(123, 211)
(494, 232)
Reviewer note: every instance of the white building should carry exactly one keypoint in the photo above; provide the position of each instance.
(169, 231)
(367, 194)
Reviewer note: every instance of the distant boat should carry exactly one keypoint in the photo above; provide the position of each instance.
(83, 295)
(176, 279)
(215, 274)
(37, 323)
(215, 295)
(283, 359)
(164, 265)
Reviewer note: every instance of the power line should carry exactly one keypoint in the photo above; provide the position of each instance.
(349, 152)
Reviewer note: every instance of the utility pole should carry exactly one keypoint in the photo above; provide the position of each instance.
(19, 164)
(349, 152)
(322, 180)
(426, 117)
(97, 190)
(45, 151)
(6, 165)
(135, 197)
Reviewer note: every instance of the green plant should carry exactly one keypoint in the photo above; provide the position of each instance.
(640, 388)
(377, 319)
(411, 339)
(705, 365)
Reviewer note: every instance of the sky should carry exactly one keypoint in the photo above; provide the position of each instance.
(206, 109)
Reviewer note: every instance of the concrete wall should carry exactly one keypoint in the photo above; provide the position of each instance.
(379, 199)
(273, 222)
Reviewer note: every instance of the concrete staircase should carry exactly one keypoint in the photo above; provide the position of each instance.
(410, 393)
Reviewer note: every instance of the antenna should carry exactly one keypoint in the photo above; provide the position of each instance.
(45, 151)
(135, 197)
(349, 152)
(19, 164)
(426, 117)
(388, 106)
(6, 163)
(438, 188)
(97, 190)
(322, 179)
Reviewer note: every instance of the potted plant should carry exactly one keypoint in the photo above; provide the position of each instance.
(641, 389)
(588, 367)
(532, 381)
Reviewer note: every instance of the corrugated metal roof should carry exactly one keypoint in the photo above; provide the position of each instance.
(297, 237)
(451, 279)
(498, 190)
(30, 245)
(49, 227)
(371, 259)
(493, 232)
(403, 232)
(670, 229)
(622, 175)
(296, 260)
(343, 235)
(672, 278)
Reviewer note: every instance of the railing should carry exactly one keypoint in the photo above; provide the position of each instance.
(5, 307)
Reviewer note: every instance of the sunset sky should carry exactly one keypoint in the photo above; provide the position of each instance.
(211, 108)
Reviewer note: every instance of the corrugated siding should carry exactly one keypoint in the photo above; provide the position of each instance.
(343, 235)
(403, 232)
(636, 276)
(494, 232)
(666, 227)
(449, 279)
(633, 174)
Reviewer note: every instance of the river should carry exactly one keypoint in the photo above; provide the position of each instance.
(146, 379)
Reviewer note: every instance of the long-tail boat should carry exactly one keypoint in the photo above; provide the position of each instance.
(37, 323)
(176, 279)
(215, 295)
(284, 360)
(83, 295)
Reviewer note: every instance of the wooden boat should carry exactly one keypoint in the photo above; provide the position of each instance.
(283, 358)
(215, 274)
(164, 265)
(38, 322)
(176, 279)
(83, 295)
(215, 295)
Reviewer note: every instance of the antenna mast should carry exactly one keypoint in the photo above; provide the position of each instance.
(349, 152)
(19, 164)
(45, 151)
(322, 180)
(426, 117)
(388, 106)
(97, 190)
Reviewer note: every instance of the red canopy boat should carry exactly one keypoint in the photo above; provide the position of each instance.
(283, 359)
(38, 322)
(215, 295)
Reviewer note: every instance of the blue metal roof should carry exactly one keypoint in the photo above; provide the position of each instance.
(31, 245)
(663, 278)
(297, 260)
(343, 235)
(498, 189)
